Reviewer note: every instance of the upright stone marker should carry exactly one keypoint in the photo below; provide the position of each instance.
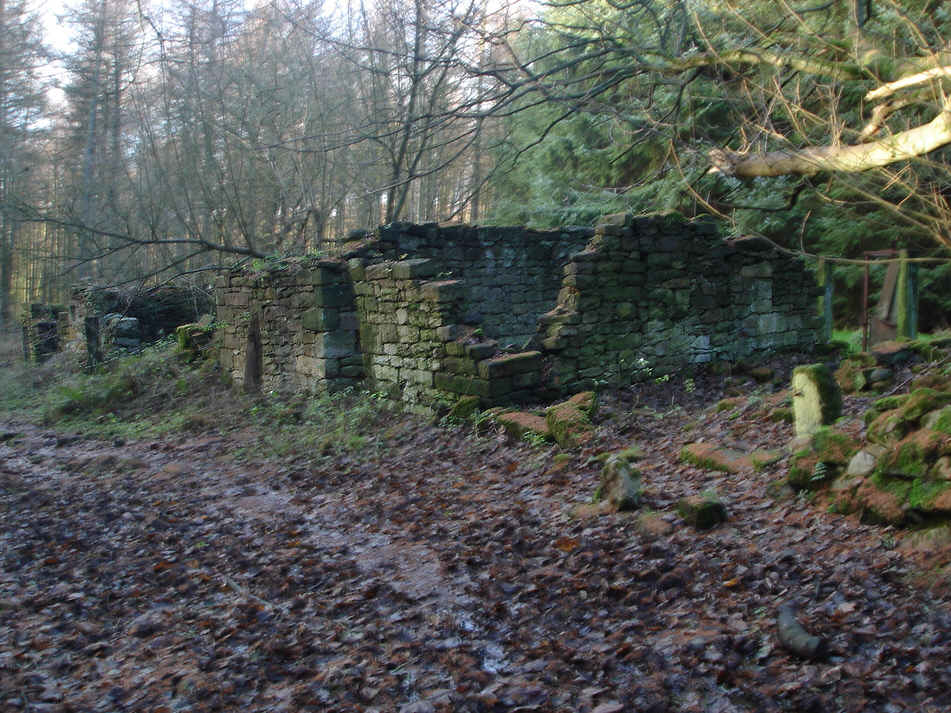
(817, 400)
(906, 298)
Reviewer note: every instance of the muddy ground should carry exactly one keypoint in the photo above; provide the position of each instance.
(451, 570)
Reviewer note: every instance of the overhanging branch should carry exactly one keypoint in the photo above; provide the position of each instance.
(809, 161)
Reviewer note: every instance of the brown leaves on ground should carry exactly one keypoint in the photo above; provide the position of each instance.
(447, 574)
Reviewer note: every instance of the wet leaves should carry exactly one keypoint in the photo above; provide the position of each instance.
(448, 574)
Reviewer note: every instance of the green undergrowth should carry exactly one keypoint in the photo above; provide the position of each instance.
(147, 394)
(158, 394)
(351, 421)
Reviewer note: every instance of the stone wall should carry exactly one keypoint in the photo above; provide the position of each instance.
(102, 318)
(45, 330)
(290, 329)
(416, 343)
(511, 274)
(431, 313)
(650, 295)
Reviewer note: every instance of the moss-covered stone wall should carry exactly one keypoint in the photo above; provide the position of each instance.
(103, 318)
(648, 296)
(511, 275)
(417, 345)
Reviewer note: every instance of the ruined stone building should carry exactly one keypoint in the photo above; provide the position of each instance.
(429, 313)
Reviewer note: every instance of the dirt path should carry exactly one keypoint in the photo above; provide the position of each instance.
(449, 574)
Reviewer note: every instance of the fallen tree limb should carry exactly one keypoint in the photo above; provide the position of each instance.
(808, 161)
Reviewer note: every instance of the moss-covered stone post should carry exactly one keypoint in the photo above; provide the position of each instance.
(906, 298)
(824, 279)
(817, 400)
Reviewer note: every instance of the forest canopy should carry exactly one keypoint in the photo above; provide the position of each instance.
(186, 136)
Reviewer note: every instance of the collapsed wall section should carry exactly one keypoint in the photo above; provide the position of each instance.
(289, 329)
(45, 330)
(417, 347)
(102, 318)
(648, 296)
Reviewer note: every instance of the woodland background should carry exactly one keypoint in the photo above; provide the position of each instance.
(174, 138)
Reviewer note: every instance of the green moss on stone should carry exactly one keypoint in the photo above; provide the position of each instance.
(802, 470)
(520, 424)
(631, 454)
(924, 493)
(915, 454)
(702, 511)
(922, 401)
(729, 404)
(781, 414)
(569, 424)
(939, 420)
(893, 425)
(831, 446)
(822, 462)
(890, 402)
(899, 487)
(464, 408)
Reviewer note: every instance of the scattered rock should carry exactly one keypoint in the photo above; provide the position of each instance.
(892, 425)
(464, 408)
(893, 353)
(713, 457)
(822, 460)
(570, 421)
(939, 420)
(702, 511)
(884, 404)
(620, 484)
(861, 464)
(727, 460)
(518, 424)
(783, 414)
(854, 372)
(730, 404)
(937, 381)
(653, 524)
(146, 624)
(913, 456)
(795, 639)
